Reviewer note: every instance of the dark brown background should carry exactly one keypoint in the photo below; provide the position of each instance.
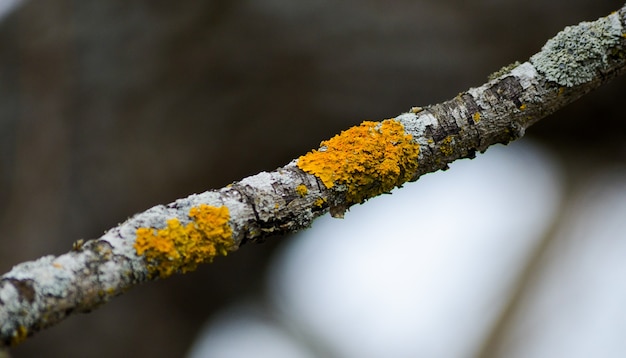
(110, 107)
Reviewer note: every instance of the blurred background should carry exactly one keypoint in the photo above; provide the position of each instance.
(110, 107)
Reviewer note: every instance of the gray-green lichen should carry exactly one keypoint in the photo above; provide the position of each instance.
(576, 54)
(503, 71)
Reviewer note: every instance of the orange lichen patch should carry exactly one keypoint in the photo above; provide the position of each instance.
(319, 202)
(476, 117)
(366, 160)
(522, 107)
(178, 248)
(302, 190)
(19, 335)
(446, 146)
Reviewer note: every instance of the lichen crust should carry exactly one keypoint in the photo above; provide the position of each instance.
(180, 248)
(365, 160)
(576, 54)
(302, 190)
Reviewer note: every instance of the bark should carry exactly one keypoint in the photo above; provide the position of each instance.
(357, 164)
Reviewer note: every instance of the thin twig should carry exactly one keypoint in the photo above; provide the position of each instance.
(357, 164)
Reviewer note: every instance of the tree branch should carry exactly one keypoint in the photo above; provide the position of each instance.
(361, 162)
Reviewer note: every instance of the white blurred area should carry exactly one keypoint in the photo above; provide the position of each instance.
(487, 259)
(8, 6)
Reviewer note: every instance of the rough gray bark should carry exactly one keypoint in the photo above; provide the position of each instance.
(35, 295)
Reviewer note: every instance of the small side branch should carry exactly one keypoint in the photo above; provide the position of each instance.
(361, 162)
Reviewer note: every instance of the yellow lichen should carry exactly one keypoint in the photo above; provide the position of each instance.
(319, 202)
(476, 117)
(19, 335)
(446, 146)
(178, 248)
(302, 190)
(522, 107)
(365, 160)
